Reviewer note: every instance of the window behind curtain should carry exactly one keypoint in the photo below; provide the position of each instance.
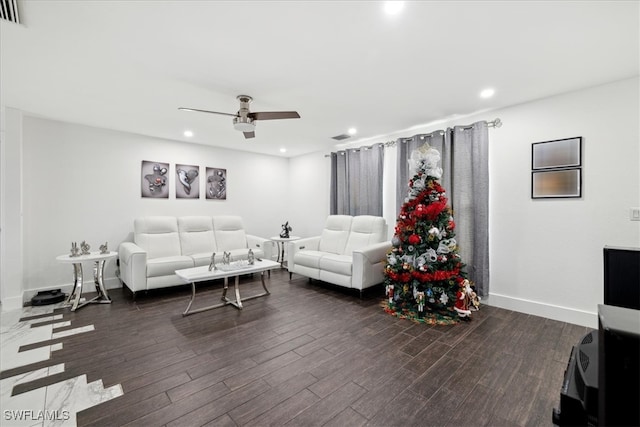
(356, 181)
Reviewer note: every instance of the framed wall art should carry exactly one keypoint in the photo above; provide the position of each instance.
(562, 183)
(216, 184)
(188, 183)
(561, 153)
(154, 180)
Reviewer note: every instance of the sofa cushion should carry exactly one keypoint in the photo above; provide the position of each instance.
(196, 235)
(167, 265)
(335, 234)
(366, 230)
(308, 258)
(229, 233)
(158, 235)
(340, 264)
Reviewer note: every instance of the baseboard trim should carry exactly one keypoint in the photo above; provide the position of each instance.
(550, 311)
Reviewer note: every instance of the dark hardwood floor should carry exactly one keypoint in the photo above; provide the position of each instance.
(311, 354)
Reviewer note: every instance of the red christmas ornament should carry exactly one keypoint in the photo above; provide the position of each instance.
(414, 239)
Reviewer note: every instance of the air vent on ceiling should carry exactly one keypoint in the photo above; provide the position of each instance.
(9, 10)
(341, 137)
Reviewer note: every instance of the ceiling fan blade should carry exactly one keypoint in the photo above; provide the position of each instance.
(274, 115)
(207, 111)
(248, 135)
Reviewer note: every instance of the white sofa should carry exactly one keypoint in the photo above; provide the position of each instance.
(163, 244)
(350, 252)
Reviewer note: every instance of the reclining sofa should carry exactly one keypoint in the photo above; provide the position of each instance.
(163, 244)
(350, 252)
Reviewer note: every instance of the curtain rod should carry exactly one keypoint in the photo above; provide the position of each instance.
(492, 124)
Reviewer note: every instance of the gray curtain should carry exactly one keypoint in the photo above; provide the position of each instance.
(465, 163)
(356, 181)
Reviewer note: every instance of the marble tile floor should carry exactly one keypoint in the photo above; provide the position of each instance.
(57, 403)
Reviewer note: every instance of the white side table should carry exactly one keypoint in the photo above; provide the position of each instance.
(99, 260)
(281, 242)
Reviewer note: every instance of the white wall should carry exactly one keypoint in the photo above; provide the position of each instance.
(309, 189)
(83, 183)
(546, 255)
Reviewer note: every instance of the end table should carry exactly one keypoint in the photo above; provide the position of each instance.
(281, 241)
(99, 260)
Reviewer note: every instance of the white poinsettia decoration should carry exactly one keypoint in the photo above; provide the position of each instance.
(425, 159)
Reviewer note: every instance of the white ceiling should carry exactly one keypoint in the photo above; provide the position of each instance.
(128, 65)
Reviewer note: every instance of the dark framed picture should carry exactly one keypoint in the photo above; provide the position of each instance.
(216, 184)
(154, 180)
(561, 153)
(563, 183)
(188, 184)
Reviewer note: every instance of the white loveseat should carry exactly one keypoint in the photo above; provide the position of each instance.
(350, 252)
(163, 244)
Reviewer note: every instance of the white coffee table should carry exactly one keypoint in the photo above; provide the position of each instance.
(281, 241)
(200, 274)
(99, 260)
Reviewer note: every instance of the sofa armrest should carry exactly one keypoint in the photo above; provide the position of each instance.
(133, 266)
(368, 265)
(255, 242)
(295, 246)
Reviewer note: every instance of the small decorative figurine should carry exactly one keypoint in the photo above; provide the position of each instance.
(251, 257)
(84, 246)
(212, 264)
(104, 249)
(285, 230)
(75, 251)
(226, 258)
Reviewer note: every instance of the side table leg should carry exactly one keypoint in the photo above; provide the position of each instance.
(74, 296)
(98, 274)
(282, 256)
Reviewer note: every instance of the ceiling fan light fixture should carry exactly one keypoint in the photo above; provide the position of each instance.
(244, 124)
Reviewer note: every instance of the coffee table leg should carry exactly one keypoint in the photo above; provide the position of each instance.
(236, 285)
(266, 291)
(188, 310)
(226, 287)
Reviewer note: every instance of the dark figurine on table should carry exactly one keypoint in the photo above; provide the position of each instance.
(285, 230)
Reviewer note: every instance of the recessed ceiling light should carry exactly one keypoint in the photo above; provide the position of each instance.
(393, 7)
(487, 93)
(352, 131)
(188, 133)
(283, 150)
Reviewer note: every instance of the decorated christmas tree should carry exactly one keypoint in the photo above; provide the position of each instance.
(424, 275)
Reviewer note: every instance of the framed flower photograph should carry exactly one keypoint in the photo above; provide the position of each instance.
(560, 153)
(564, 183)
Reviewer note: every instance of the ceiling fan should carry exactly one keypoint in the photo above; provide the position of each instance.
(244, 120)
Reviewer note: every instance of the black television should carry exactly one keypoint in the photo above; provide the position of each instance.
(622, 277)
(618, 366)
(601, 382)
